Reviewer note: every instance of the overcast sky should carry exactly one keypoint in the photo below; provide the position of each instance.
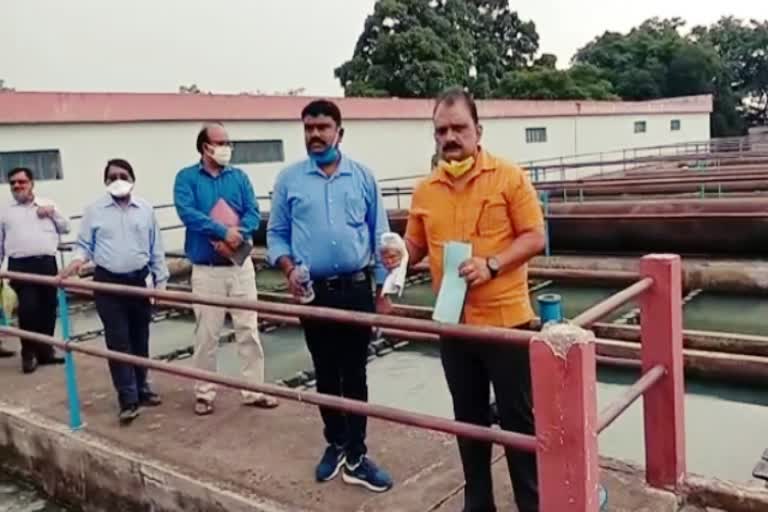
(248, 45)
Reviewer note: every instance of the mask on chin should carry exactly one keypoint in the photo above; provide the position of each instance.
(120, 188)
(327, 156)
(457, 169)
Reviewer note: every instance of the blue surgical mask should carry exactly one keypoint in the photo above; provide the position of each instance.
(326, 156)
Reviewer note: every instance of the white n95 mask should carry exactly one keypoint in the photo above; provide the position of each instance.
(119, 188)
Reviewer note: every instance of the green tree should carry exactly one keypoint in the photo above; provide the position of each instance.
(656, 60)
(653, 60)
(581, 82)
(416, 48)
(189, 89)
(743, 49)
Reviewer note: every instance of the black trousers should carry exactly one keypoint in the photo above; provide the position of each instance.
(126, 329)
(470, 368)
(37, 304)
(340, 356)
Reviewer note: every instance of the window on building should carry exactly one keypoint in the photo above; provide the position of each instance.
(45, 164)
(640, 126)
(674, 125)
(257, 151)
(533, 135)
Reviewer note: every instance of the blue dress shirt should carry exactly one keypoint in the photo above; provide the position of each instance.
(195, 193)
(122, 239)
(333, 224)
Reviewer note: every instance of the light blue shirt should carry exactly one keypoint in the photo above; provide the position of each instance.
(331, 224)
(122, 240)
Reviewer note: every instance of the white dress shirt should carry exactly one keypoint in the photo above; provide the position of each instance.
(24, 234)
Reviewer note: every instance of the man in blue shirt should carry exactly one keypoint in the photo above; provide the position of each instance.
(217, 205)
(327, 216)
(119, 233)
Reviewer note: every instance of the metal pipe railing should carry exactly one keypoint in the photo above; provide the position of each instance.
(602, 275)
(509, 439)
(606, 307)
(481, 334)
(614, 410)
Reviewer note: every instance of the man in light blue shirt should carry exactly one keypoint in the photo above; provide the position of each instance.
(327, 216)
(120, 234)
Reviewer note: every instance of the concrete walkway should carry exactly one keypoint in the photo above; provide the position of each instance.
(263, 456)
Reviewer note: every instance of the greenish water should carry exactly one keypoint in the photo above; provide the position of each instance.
(17, 496)
(720, 312)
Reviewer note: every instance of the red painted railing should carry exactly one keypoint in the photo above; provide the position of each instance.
(563, 367)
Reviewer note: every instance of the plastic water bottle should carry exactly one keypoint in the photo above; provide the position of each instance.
(305, 281)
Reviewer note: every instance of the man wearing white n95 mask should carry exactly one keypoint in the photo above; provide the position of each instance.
(119, 233)
(218, 207)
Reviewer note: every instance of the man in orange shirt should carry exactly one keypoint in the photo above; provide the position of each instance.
(475, 197)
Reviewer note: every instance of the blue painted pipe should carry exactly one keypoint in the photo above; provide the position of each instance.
(550, 309)
(73, 397)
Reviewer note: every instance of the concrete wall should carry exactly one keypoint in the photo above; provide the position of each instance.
(91, 475)
(392, 148)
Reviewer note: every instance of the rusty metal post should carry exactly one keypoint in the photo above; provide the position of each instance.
(563, 374)
(661, 328)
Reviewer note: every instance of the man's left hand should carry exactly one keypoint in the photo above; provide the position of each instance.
(384, 305)
(475, 271)
(45, 211)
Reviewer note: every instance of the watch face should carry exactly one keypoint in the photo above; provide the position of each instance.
(493, 264)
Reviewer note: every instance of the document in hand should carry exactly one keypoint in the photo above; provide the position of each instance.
(241, 254)
(453, 289)
(224, 214)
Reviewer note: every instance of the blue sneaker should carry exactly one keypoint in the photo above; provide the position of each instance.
(330, 464)
(367, 474)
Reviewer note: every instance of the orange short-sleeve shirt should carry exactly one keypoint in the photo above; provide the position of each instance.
(497, 203)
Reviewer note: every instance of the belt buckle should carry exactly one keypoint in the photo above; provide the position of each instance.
(333, 283)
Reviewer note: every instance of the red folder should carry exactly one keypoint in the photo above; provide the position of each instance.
(224, 214)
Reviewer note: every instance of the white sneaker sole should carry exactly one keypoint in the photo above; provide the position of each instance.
(352, 480)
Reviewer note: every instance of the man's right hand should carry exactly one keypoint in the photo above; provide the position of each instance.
(234, 238)
(296, 288)
(391, 257)
(72, 269)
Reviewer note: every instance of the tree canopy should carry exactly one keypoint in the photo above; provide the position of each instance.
(416, 48)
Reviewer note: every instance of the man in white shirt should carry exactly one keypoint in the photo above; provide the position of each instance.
(30, 229)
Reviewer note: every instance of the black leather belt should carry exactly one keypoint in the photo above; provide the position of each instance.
(219, 263)
(341, 280)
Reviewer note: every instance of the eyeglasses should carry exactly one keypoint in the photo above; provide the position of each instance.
(121, 176)
(19, 182)
(226, 143)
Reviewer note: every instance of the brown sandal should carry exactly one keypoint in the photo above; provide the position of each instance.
(203, 408)
(263, 402)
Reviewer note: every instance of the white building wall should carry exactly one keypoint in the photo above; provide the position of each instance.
(157, 150)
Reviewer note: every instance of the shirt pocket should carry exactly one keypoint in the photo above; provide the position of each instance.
(493, 217)
(138, 234)
(47, 226)
(354, 210)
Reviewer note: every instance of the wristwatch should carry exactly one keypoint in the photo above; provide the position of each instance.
(493, 266)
